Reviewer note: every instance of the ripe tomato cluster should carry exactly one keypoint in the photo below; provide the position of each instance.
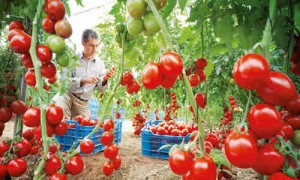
(132, 85)
(164, 73)
(268, 135)
(110, 150)
(85, 120)
(196, 73)
(138, 123)
(10, 105)
(172, 128)
(295, 58)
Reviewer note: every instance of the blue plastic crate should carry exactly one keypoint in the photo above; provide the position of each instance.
(152, 142)
(74, 135)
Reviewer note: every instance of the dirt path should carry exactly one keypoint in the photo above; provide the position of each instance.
(134, 165)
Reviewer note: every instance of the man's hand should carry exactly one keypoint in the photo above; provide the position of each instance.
(110, 73)
(89, 80)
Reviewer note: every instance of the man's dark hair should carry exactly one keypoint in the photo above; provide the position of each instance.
(89, 33)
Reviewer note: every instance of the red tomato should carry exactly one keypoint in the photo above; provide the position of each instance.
(52, 165)
(26, 60)
(44, 53)
(48, 70)
(57, 176)
(278, 90)
(52, 148)
(107, 138)
(3, 171)
(108, 125)
(213, 139)
(16, 167)
(260, 116)
(187, 176)
(171, 64)
(87, 146)
(20, 43)
(48, 24)
(108, 168)
(251, 71)
(30, 78)
(117, 162)
(179, 162)
(28, 134)
(31, 117)
(61, 129)
(127, 78)
(5, 114)
(38, 131)
(3, 147)
(266, 154)
(288, 130)
(203, 168)
(280, 176)
(293, 106)
(53, 79)
(22, 148)
(201, 63)
(194, 80)
(14, 32)
(19, 107)
(56, 8)
(152, 75)
(15, 24)
(168, 81)
(241, 149)
(54, 114)
(34, 150)
(200, 100)
(111, 151)
(293, 120)
(74, 165)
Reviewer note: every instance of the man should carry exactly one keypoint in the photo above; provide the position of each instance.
(85, 78)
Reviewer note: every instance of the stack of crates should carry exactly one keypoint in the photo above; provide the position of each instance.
(151, 143)
(78, 132)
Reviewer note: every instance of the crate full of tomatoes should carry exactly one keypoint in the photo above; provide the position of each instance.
(77, 131)
(158, 133)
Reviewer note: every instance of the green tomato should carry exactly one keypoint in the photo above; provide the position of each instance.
(147, 33)
(135, 26)
(63, 59)
(136, 8)
(56, 44)
(151, 23)
(296, 138)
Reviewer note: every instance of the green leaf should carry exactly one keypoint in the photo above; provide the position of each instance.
(182, 4)
(219, 157)
(166, 11)
(209, 68)
(218, 49)
(115, 9)
(79, 2)
(186, 34)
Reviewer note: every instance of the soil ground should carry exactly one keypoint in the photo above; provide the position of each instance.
(135, 166)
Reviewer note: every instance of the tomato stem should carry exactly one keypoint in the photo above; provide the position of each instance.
(247, 107)
(39, 83)
(165, 31)
(191, 99)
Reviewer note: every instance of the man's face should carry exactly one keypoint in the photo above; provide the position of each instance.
(90, 47)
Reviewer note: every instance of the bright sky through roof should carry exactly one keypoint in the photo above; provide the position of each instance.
(87, 16)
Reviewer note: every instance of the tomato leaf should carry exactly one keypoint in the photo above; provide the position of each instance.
(166, 11)
(186, 34)
(219, 157)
